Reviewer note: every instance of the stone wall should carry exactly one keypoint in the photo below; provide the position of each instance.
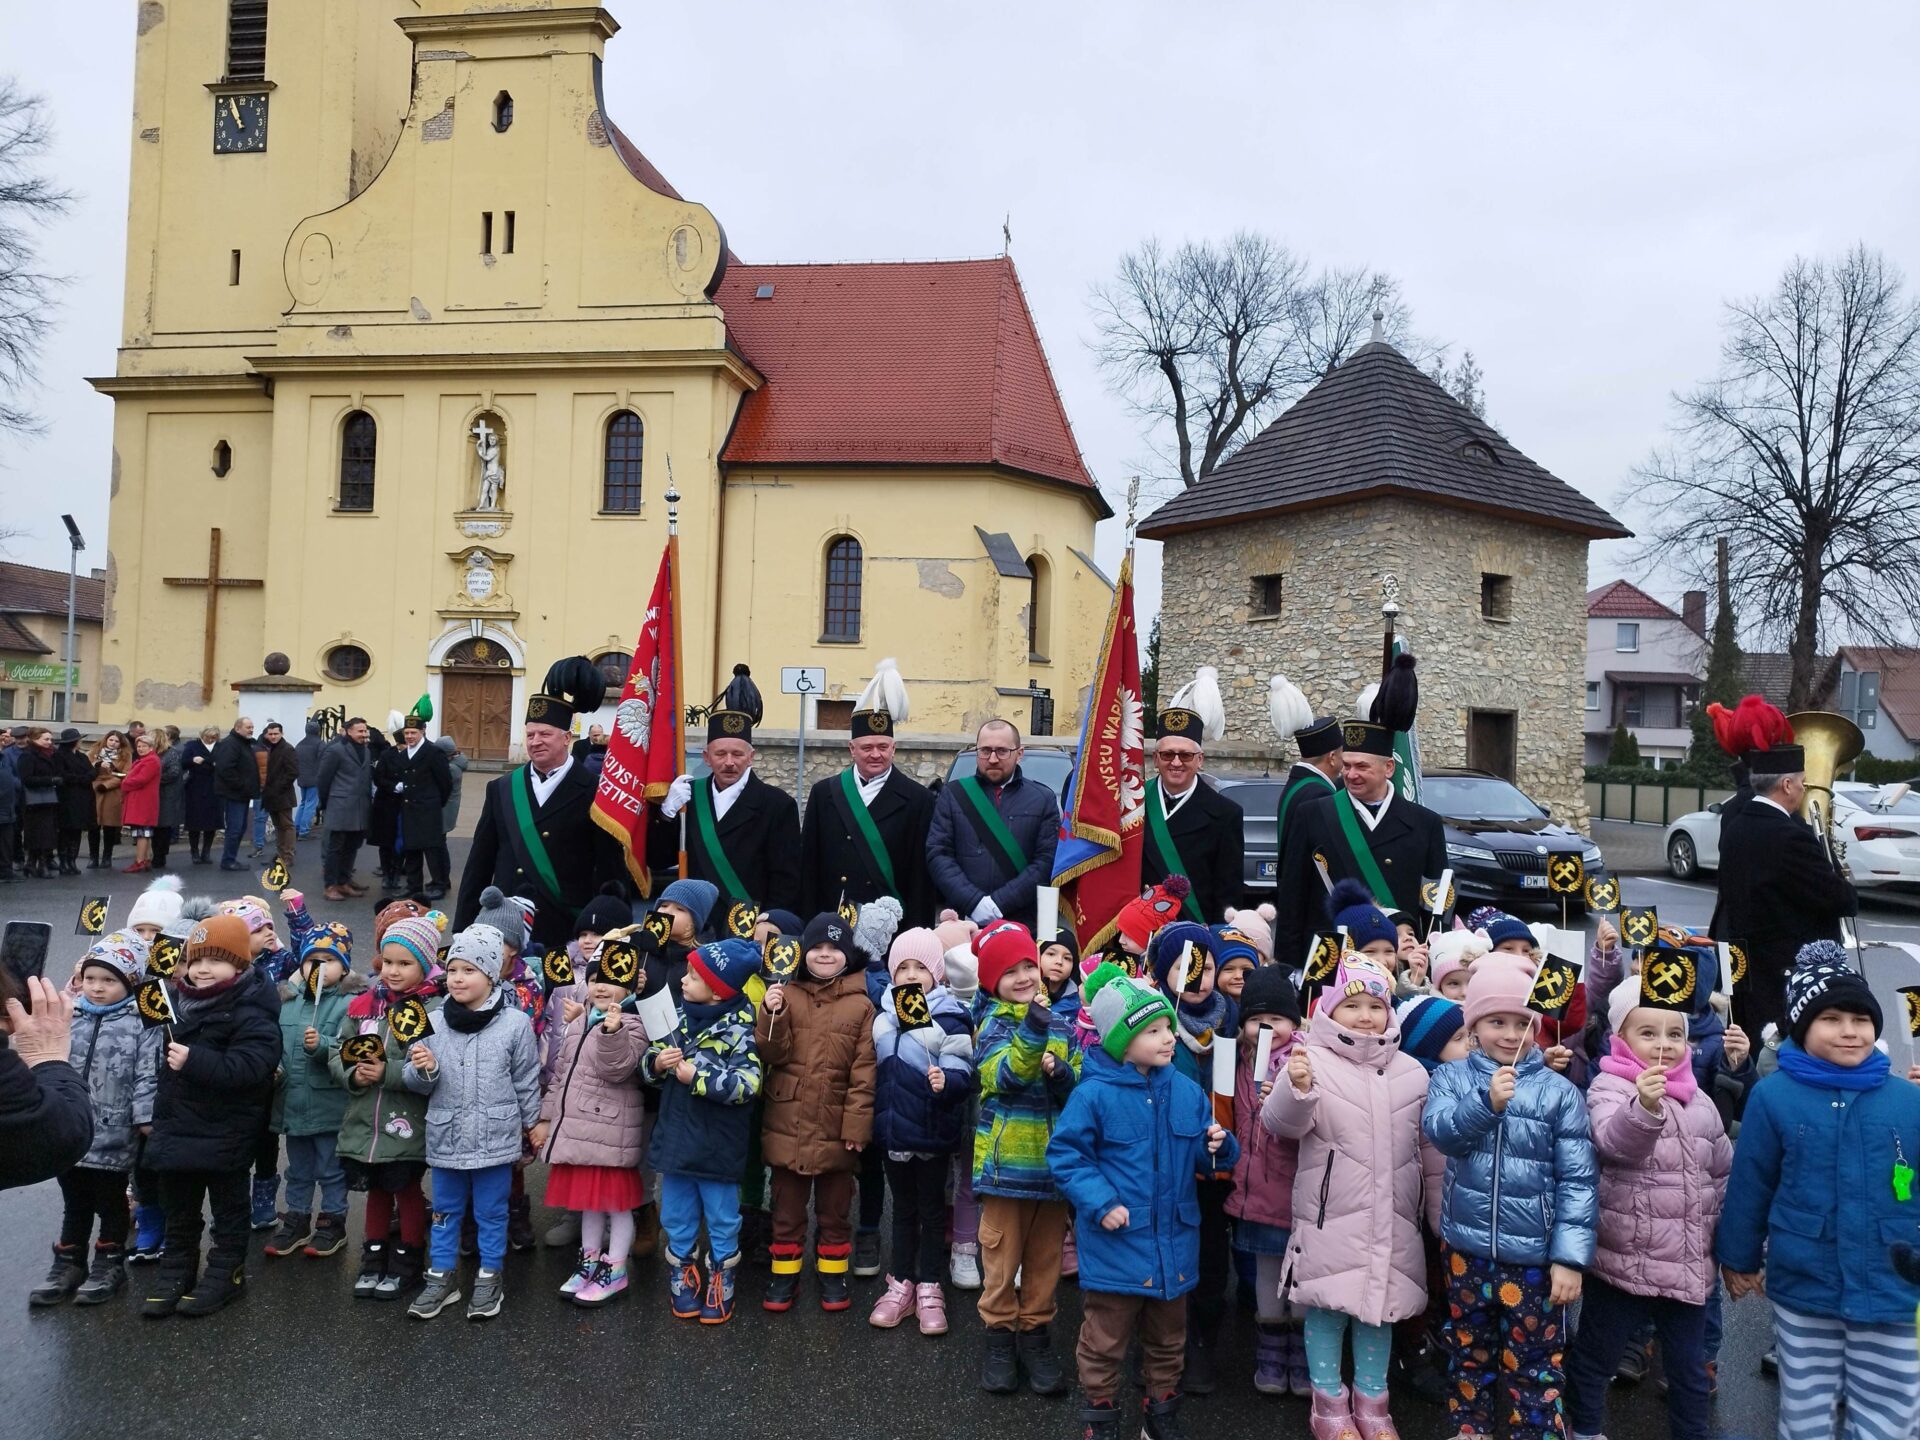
(1326, 638)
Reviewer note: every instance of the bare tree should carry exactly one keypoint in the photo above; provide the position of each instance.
(28, 200)
(1804, 452)
(1209, 341)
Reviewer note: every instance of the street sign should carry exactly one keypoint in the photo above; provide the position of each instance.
(803, 679)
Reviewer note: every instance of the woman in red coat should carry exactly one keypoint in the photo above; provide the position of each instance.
(140, 803)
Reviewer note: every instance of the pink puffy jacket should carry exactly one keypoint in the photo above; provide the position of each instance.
(593, 1104)
(1263, 1175)
(1662, 1184)
(1357, 1192)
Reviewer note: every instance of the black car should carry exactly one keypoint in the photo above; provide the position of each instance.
(1499, 841)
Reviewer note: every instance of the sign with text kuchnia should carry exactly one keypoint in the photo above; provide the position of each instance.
(37, 672)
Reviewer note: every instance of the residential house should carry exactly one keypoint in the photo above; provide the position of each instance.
(33, 644)
(1879, 690)
(1645, 664)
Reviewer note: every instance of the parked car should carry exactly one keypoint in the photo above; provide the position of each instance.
(1258, 797)
(1878, 824)
(1499, 841)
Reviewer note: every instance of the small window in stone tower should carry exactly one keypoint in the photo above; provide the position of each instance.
(1496, 597)
(1265, 597)
(222, 459)
(502, 110)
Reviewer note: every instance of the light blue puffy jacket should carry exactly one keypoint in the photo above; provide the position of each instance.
(1520, 1186)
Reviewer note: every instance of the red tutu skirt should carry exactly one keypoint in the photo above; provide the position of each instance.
(594, 1187)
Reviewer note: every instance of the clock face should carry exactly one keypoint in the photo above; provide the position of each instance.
(239, 124)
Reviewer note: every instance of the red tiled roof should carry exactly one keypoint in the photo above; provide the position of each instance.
(15, 636)
(1620, 600)
(29, 590)
(906, 363)
(1899, 670)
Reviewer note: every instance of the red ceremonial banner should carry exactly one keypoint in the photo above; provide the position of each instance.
(647, 747)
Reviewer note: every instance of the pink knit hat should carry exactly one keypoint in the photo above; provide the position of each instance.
(1256, 924)
(1357, 975)
(1498, 984)
(919, 944)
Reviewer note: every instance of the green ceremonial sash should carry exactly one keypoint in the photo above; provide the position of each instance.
(991, 823)
(870, 833)
(1163, 842)
(1362, 855)
(1286, 804)
(530, 834)
(710, 840)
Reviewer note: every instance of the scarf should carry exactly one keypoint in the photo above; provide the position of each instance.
(110, 1011)
(1870, 1074)
(1621, 1061)
(1198, 1024)
(378, 998)
(700, 1017)
(201, 997)
(628, 1006)
(469, 1021)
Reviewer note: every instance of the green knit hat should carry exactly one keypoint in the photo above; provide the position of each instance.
(1121, 1007)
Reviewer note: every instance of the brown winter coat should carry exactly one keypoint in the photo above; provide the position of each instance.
(820, 1075)
(593, 1106)
(107, 776)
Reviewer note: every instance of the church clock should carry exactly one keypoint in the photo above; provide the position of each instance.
(239, 124)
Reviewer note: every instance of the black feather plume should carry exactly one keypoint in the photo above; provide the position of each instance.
(578, 681)
(1398, 697)
(743, 695)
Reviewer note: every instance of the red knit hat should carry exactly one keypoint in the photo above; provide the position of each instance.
(1001, 946)
(1139, 919)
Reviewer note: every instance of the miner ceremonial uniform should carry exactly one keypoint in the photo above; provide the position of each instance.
(866, 838)
(1306, 782)
(1198, 833)
(1390, 847)
(744, 840)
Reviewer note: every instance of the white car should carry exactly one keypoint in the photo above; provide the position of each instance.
(1878, 827)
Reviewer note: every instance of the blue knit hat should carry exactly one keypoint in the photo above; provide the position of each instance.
(1230, 945)
(696, 897)
(1506, 927)
(332, 941)
(1427, 1023)
(1351, 905)
(726, 965)
(1169, 943)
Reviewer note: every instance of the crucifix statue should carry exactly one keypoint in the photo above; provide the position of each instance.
(213, 584)
(493, 475)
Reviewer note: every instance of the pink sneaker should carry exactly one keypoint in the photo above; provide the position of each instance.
(582, 1272)
(931, 1303)
(607, 1281)
(1069, 1256)
(894, 1306)
(1371, 1419)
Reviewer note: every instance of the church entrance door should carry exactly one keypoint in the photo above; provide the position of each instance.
(479, 711)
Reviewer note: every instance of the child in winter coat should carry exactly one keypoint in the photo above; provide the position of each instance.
(709, 1072)
(1433, 1032)
(1664, 1158)
(1353, 1102)
(923, 1083)
(1451, 952)
(1256, 923)
(276, 961)
(1060, 973)
(1554, 1034)
(155, 907)
(118, 1058)
(479, 1068)
(1126, 1152)
(1234, 959)
(1822, 1184)
(309, 1104)
(209, 1109)
(1026, 1065)
(815, 1037)
(1518, 1215)
(382, 1141)
(590, 1121)
(1262, 1200)
(963, 983)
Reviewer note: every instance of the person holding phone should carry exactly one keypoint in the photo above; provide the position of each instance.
(46, 1118)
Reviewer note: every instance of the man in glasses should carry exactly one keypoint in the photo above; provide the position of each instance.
(1192, 829)
(990, 845)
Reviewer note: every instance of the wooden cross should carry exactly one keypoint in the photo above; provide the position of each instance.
(213, 584)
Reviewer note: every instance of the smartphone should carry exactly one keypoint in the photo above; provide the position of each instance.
(24, 946)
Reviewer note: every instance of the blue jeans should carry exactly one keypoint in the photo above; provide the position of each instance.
(311, 1165)
(1610, 1320)
(308, 807)
(259, 826)
(235, 825)
(485, 1192)
(686, 1200)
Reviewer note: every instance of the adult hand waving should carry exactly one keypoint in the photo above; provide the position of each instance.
(46, 1118)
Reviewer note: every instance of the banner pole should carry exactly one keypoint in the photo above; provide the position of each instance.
(679, 674)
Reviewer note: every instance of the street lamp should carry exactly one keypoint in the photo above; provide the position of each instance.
(73, 581)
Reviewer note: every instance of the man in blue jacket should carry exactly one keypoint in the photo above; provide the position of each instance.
(990, 843)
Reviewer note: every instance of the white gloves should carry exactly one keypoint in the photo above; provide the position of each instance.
(986, 910)
(678, 794)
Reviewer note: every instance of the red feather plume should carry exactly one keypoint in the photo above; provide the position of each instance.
(1753, 724)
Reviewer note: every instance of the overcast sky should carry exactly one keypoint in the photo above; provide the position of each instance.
(1569, 192)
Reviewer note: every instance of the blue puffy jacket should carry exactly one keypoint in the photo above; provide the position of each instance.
(1519, 1186)
(907, 1115)
(1812, 1192)
(1136, 1140)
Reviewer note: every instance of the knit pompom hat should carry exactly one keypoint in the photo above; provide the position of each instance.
(919, 944)
(1001, 946)
(158, 904)
(1256, 923)
(1169, 948)
(1503, 927)
(726, 965)
(502, 915)
(1140, 918)
(223, 936)
(1824, 979)
(1121, 1007)
(332, 941)
(122, 952)
(481, 946)
(1498, 984)
(1453, 950)
(253, 913)
(418, 936)
(1427, 1023)
(1350, 906)
(1268, 991)
(387, 914)
(696, 897)
(877, 923)
(1357, 975)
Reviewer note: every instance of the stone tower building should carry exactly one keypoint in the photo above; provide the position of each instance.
(1274, 563)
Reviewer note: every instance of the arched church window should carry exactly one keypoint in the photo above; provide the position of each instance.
(840, 618)
(620, 476)
(359, 441)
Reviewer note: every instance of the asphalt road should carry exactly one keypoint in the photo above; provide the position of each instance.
(298, 1355)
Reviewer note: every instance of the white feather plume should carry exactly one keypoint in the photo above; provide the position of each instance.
(1202, 696)
(1287, 708)
(885, 691)
(1363, 707)
(395, 721)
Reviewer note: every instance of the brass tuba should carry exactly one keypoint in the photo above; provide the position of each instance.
(1831, 742)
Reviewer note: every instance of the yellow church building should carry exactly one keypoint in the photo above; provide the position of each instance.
(413, 334)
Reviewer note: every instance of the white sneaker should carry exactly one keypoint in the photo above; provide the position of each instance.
(964, 1268)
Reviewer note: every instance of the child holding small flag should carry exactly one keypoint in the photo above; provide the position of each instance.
(309, 1104)
(382, 1140)
(1261, 1204)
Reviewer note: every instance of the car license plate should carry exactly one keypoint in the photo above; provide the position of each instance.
(1268, 870)
(1533, 882)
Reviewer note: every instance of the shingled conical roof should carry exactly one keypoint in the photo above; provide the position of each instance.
(1377, 426)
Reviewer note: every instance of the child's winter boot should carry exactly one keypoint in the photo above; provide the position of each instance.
(608, 1280)
(1371, 1419)
(69, 1269)
(1332, 1416)
(149, 1230)
(1270, 1361)
(717, 1307)
(1160, 1417)
(266, 1203)
(105, 1280)
(1100, 1420)
(373, 1266)
(685, 1286)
